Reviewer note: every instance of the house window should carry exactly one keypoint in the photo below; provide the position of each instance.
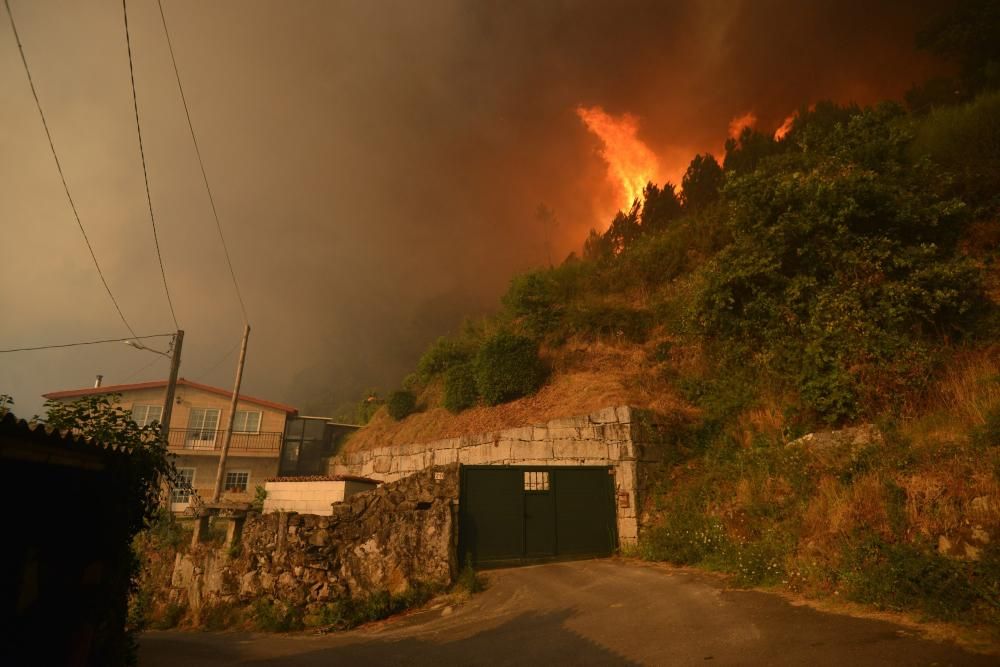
(536, 481)
(202, 425)
(181, 491)
(237, 480)
(246, 421)
(144, 415)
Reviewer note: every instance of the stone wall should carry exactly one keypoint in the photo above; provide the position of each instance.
(387, 539)
(630, 440)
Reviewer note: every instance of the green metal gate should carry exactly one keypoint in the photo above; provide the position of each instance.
(516, 514)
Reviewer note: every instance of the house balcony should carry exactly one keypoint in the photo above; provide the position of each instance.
(209, 442)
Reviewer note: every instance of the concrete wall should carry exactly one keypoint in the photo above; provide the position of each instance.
(310, 497)
(625, 438)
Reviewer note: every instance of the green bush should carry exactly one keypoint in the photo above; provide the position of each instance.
(349, 613)
(534, 302)
(274, 616)
(442, 355)
(460, 388)
(468, 580)
(906, 576)
(401, 404)
(508, 367)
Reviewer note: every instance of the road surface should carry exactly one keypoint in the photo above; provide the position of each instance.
(598, 612)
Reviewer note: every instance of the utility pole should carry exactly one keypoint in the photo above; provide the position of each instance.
(168, 399)
(232, 416)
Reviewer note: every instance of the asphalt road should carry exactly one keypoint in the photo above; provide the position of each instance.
(601, 612)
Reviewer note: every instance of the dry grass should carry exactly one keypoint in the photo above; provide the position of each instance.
(971, 386)
(586, 377)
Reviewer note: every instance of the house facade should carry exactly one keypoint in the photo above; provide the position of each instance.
(197, 433)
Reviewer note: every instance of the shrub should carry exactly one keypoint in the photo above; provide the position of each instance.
(442, 355)
(401, 404)
(508, 367)
(460, 388)
(468, 580)
(273, 616)
(906, 576)
(533, 300)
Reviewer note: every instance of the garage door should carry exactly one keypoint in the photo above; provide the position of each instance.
(511, 514)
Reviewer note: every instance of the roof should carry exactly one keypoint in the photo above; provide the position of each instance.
(52, 446)
(155, 384)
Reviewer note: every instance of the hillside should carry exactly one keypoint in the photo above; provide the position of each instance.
(843, 274)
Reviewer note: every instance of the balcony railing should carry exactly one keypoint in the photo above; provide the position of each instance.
(208, 440)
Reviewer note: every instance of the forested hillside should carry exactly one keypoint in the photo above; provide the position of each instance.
(842, 274)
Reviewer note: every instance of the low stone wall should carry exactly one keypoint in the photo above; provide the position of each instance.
(311, 496)
(387, 539)
(630, 440)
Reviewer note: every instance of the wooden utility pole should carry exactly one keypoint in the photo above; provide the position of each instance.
(220, 473)
(168, 399)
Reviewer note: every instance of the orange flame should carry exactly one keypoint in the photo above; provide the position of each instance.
(739, 123)
(631, 163)
(780, 133)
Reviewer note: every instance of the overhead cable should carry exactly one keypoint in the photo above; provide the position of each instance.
(201, 163)
(145, 173)
(62, 176)
(86, 342)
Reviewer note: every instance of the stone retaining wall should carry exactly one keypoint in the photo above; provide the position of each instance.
(628, 439)
(388, 539)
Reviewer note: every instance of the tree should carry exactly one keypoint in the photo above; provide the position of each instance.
(660, 206)
(142, 476)
(967, 33)
(843, 266)
(702, 182)
(624, 230)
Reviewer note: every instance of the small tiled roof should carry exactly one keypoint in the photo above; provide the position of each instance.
(155, 384)
(324, 478)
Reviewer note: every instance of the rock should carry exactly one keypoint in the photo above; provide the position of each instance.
(854, 436)
(944, 545)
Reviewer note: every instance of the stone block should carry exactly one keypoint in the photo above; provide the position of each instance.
(580, 449)
(382, 464)
(525, 433)
(624, 414)
(445, 456)
(603, 416)
(568, 422)
(564, 433)
(531, 450)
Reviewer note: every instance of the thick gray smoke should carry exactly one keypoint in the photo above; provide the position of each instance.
(378, 166)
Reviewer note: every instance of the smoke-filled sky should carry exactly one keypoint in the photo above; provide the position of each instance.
(378, 167)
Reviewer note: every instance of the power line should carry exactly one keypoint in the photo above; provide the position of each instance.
(201, 163)
(62, 176)
(155, 359)
(86, 342)
(145, 174)
(217, 363)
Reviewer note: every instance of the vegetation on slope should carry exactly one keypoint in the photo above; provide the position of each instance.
(844, 274)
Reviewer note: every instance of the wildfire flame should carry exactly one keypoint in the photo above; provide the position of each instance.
(739, 123)
(780, 133)
(631, 163)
